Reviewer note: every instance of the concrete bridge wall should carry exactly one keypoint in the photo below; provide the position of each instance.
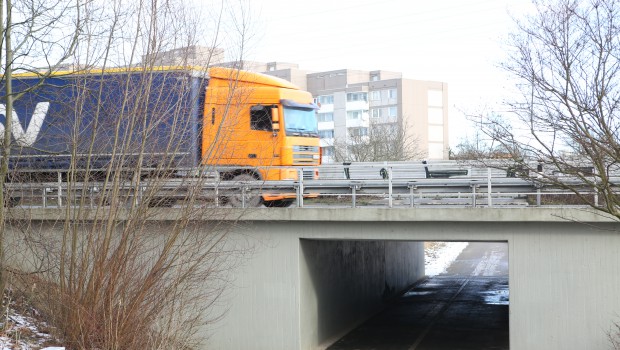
(296, 292)
(564, 266)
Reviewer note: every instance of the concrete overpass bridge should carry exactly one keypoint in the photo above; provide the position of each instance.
(315, 273)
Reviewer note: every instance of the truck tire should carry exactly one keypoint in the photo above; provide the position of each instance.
(283, 203)
(251, 200)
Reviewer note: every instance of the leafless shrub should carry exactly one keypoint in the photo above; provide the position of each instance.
(109, 276)
(377, 142)
(564, 58)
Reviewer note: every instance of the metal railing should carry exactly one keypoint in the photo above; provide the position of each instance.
(400, 185)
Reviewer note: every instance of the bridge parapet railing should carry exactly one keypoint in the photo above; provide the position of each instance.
(373, 184)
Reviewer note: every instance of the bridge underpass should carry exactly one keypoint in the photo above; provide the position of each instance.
(463, 307)
(563, 276)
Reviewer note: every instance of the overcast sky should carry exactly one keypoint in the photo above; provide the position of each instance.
(454, 41)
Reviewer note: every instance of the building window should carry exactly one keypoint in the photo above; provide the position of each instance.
(375, 113)
(392, 111)
(260, 118)
(375, 95)
(326, 99)
(357, 132)
(328, 151)
(385, 114)
(353, 115)
(392, 93)
(326, 134)
(357, 96)
(326, 117)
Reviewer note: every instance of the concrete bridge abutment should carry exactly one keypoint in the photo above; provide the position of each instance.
(298, 288)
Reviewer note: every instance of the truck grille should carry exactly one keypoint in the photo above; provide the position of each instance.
(313, 149)
(305, 155)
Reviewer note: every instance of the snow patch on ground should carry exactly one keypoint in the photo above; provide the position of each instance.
(439, 255)
(23, 332)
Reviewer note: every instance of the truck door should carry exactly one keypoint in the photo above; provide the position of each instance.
(262, 141)
(239, 134)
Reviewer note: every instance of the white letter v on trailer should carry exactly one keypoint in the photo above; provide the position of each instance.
(28, 137)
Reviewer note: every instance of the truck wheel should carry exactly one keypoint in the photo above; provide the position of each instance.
(237, 199)
(283, 203)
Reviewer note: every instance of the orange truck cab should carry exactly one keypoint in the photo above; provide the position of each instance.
(264, 125)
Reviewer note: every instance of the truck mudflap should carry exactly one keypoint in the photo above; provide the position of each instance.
(267, 197)
(283, 200)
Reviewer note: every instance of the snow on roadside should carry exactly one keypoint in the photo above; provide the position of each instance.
(439, 255)
(22, 332)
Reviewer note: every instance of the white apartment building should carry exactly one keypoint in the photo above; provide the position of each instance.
(352, 100)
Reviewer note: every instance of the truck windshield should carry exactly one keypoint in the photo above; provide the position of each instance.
(300, 121)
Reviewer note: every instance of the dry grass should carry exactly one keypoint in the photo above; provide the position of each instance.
(23, 324)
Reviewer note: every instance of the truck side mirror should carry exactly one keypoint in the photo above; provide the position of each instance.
(275, 119)
(275, 116)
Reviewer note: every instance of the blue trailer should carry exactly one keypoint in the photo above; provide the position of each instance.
(119, 119)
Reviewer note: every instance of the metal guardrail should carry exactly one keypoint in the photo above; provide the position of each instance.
(354, 185)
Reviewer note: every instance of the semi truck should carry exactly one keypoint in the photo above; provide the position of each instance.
(246, 126)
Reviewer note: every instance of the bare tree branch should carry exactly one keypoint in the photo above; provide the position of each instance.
(377, 142)
(566, 59)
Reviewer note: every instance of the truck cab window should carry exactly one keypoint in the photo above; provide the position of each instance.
(260, 118)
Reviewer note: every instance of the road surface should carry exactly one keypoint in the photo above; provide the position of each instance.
(464, 308)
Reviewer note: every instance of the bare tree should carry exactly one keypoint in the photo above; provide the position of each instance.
(565, 57)
(113, 279)
(477, 148)
(377, 142)
(32, 36)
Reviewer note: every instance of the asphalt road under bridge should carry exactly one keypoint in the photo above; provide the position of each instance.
(464, 308)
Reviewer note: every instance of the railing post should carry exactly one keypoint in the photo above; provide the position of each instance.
(390, 203)
(300, 192)
(538, 195)
(59, 189)
(243, 187)
(135, 185)
(411, 196)
(595, 197)
(216, 189)
(44, 197)
(489, 189)
(91, 196)
(142, 190)
(473, 195)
